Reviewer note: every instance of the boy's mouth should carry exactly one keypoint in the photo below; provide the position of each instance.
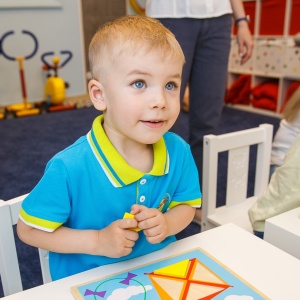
(154, 123)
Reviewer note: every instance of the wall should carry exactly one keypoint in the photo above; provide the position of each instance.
(96, 13)
(57, 26)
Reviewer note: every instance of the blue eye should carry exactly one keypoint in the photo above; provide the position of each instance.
(170, 86)
(139, 84)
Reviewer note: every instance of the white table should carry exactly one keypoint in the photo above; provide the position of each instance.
(272, 271)
(283, 231)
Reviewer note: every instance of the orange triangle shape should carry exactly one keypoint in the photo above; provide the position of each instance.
(160, 291)
(173, 287)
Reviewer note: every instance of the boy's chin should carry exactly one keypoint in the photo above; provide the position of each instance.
(150, 140)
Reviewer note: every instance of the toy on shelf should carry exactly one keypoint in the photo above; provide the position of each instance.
(55, 87)
(137, 8)
(25, 108)
(2, 113)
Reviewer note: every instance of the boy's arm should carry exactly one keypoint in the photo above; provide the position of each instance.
(179, 217)
(157, 225)
(112, 241)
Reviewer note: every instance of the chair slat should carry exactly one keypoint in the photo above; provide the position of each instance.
(237, 204)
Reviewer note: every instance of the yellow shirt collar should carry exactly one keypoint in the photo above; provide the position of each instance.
(119, 172)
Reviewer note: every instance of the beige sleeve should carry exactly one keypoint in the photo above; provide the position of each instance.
(283, 192)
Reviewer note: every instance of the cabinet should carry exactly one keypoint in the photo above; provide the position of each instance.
(276, 57)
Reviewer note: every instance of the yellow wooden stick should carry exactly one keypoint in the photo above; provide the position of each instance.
(131, 216)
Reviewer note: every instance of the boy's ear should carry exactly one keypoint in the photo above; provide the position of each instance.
(96, 94)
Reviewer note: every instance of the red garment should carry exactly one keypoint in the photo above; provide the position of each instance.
(239, 92)
(265, 95)
(265, 103)
(267, 89)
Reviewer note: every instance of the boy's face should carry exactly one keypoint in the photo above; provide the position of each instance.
(141, 97)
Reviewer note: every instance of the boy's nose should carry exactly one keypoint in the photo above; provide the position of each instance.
(158, 101)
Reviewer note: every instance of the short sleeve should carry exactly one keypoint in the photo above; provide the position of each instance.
(283, 191)
(188, 189)
(48, 205)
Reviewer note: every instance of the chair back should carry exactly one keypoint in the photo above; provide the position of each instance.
(9, 263)
(237, 144)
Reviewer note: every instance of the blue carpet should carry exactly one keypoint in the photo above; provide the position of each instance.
(28, 143)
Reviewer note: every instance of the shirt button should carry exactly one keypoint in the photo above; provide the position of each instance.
(142, 198)
(143, 181)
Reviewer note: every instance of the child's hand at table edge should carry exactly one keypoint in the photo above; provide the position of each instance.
(116, 240)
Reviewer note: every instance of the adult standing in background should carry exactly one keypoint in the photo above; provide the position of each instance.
(203, 29)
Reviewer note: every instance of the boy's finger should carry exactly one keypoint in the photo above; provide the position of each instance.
(131, 222)
(136, 208)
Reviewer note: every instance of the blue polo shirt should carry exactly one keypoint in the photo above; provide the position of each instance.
(89, 185)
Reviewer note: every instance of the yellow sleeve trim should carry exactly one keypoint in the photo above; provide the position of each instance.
(38, 223)
(194, 203)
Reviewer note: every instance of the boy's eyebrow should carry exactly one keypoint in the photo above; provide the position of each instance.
(139, 72)
(177, 75)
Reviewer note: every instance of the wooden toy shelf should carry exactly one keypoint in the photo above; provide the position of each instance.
(273, 23)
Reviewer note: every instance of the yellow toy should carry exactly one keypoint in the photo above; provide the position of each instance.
(2, 113)
(25, 108)
(131, 216)
(136, 7)
(55, 87)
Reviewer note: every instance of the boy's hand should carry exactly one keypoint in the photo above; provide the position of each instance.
(117, 240)
(152, 222)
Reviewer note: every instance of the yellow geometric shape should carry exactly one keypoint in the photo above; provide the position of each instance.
(187, 280)
(173, 288)
(128, 216)
(178, 269)
(131, 216)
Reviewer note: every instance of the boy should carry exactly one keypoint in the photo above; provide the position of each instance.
(128, 162)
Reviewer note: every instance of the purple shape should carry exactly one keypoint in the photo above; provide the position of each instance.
(89, 292)
(127, 279)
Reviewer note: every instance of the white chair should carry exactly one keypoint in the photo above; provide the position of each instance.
(237, 204)
(9, 265)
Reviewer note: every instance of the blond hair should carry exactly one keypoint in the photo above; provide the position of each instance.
(292, 108)
(131, 34)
